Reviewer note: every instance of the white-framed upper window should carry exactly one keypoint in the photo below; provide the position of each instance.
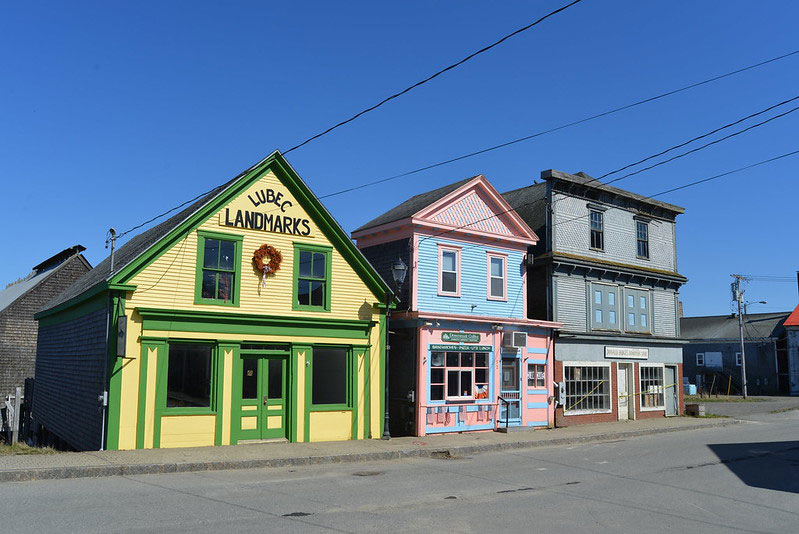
(497, 270)
(651, 387)
(449, 271)
(738, 359)
(700, 359)
(587, 388)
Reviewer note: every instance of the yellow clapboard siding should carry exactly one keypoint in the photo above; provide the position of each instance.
(170, 280)
(331, 426)
(187, 430)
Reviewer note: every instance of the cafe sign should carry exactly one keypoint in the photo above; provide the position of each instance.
(469, 348)
(460, 337)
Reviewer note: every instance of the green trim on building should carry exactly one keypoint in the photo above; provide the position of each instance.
(238, 241)
(147, 344)
(95, 292)
(220, 388)
(328, 252)
(249, 324)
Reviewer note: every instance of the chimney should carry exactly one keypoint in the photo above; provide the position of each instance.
(679, 309)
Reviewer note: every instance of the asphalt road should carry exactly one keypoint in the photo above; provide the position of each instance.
(743, 478)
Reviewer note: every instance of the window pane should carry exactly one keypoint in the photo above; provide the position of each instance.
(437, 376)
(226, 253)
(453, 359)
(211, 253)
(481, 376)
(305, 263)
(437, 359)
(631, 319)
(510, 379)
(448, 261)
(630, 301)
(449, 282)
(498, 287)
(209, 285)
(497, 267)
(611, 298)
(643, 319)
(643, 303)
(612, 317)
(189, 376)
(225, 286)
(467, 359)
(597, 297)
(598, 316)
(319, 261)
(436, 392)
(466, 383)
(452, 383)
(249, 379)
(275, 379)
(329, 376)
(481, 359)
(317, 293)
(303, 292)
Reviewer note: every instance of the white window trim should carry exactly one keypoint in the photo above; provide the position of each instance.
(641, 391)
(588, 364)
(700, 359)
(458, 271)
(504, 258)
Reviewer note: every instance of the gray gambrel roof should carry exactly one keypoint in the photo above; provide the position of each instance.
(414, 205)
(718, 327)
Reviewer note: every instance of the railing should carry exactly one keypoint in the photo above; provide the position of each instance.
(507, 408)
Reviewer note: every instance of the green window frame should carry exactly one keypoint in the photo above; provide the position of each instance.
(349, 372)
(308, 277)
(213, 266)
(162, 382)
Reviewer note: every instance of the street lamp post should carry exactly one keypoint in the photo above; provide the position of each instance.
(398, 272)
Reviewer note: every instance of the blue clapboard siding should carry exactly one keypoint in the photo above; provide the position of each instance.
(473, 281)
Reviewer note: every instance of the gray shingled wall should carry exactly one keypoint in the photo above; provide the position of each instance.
(69, 378)
(18, 327)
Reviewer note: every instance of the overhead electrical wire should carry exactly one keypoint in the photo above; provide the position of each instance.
(502, 145)
(434, 75)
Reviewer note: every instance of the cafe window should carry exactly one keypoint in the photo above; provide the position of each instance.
(458, 375)
(312, 277)
(330, 376)
(189, 375)
(218, 268)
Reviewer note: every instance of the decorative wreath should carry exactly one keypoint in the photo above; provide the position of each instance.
(267, 260)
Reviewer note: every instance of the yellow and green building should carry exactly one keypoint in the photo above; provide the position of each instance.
(178, 339)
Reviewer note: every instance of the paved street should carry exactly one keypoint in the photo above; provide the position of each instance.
(742, 478)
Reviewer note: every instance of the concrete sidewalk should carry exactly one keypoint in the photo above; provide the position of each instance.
(18, 468)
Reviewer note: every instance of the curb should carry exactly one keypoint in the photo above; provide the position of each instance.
(54, 473)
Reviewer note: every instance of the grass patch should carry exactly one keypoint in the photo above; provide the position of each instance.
(696, 399)
(783, 410)
(22, 449)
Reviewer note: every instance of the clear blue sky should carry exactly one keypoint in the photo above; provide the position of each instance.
(112, 112)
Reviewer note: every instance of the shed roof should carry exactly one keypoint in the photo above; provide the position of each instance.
(756, 326)
(793, 318)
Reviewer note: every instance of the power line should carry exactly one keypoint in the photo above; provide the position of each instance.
(433, 76)
(561, 127)
(501, 145)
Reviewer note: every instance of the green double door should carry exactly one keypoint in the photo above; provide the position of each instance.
(262, 397)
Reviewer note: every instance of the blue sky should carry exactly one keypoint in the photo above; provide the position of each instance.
(112, 112)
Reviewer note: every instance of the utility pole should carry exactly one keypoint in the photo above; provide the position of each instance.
(738, 296)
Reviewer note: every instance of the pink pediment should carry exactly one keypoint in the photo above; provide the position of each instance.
(477, 208)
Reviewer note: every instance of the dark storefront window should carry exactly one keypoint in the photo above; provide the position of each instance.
(189, 376)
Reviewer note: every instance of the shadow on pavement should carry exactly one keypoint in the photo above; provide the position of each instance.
(772, 465)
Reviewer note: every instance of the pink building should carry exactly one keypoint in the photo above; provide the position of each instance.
(464, 356)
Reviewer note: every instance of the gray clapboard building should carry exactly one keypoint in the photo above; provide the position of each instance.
(20, 300)
(712, 358)
(606, 267)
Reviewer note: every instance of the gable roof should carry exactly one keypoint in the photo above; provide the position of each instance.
(793, 318)
(133, 255)
(40, 273)
(414, 205)
(718, 327)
